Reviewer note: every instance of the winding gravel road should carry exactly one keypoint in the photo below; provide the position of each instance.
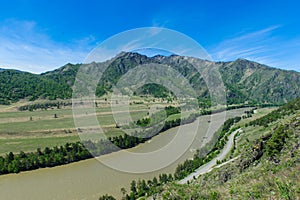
(211, 164)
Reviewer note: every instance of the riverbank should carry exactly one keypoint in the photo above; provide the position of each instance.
(90, 178)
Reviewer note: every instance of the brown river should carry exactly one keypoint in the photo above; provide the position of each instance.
(88, 179)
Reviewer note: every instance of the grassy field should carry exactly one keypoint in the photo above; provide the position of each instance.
(31, 144)
(29, 130)
(16, 121)
(178, 116)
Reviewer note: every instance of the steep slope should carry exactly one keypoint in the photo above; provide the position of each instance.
(259, 82)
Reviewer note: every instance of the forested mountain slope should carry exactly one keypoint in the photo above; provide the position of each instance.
(245, 81)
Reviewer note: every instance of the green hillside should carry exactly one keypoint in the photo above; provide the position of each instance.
(16, 85)
(246, 81)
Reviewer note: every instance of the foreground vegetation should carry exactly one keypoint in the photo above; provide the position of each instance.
(266, 169)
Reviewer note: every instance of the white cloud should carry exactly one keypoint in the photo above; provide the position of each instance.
(244, 46)
(25, 47)
(262, 46)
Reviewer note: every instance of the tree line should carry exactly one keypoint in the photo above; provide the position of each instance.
(142, 187)
(49, 157)
(279, 113)
(45, 106)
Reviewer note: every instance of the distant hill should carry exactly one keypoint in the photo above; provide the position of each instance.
(245, 80)
(16, 85)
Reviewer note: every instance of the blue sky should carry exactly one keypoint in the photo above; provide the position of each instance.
(38, 36)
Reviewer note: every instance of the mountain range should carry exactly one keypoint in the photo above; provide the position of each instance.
(245, 81)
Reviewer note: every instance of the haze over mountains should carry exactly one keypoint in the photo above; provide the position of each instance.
(245, 81)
